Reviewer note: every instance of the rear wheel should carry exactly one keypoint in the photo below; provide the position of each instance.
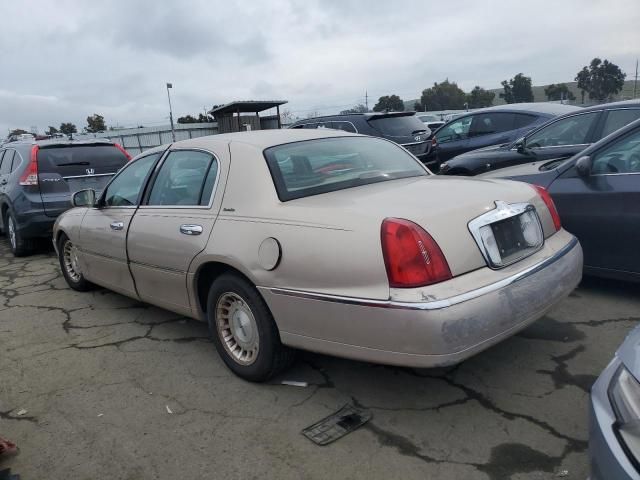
(20, 246)
(243, 330)
(68, 257)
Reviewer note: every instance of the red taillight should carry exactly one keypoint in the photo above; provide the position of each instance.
(548, 201)
(30, 175)
(434, 142)
(121, 148)
(411, 255)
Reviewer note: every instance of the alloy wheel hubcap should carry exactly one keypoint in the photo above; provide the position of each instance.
(237, 328)
(70, 259)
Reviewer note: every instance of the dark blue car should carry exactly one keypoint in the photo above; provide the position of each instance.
(597, 194)
(490, 126)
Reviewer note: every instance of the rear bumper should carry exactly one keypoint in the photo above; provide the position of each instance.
(34, 224)
(425, 334)
(608, 459)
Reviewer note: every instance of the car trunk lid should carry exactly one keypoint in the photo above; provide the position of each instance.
(66, 168)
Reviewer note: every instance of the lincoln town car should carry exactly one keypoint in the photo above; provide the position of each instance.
(321, 240)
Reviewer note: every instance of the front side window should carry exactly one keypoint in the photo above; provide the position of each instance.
(186, 178)
(456, 130)
(126, 187)
(617, 119)
(623, 156)
(568, 131)
(490, 123)
(523, 119)
(324, 165)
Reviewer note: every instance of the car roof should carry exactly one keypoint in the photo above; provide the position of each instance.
(365, 115)
(533, 107)
(262, 138)
(611, 105)
(55, 142)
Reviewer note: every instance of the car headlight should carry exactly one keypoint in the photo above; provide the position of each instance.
(624, 394)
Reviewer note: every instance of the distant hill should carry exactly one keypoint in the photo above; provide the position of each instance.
(539, 96)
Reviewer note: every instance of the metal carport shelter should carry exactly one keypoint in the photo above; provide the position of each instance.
(227, 123)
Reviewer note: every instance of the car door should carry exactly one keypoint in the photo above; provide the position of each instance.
(603, 209)
(174, 223)
(5, 169)
(103, 233)
(453, 138)
(562, 138)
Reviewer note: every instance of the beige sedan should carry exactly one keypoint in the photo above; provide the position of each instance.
(325, 241)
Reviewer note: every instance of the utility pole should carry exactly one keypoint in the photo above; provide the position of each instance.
(173, 132)
(366, 100)
(635, 82)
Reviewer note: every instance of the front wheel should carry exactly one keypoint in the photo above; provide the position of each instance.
(68, 257)
(243, 330)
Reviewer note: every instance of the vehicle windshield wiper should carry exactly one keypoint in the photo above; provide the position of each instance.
(73, 163)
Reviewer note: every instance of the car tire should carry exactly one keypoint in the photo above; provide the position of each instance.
(69, 265)
(243, 330)
(19, 245)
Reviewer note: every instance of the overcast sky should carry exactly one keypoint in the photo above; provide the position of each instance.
(63, 60)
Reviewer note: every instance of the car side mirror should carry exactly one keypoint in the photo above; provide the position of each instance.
(84, 198)
(520, 146)
(583, 166)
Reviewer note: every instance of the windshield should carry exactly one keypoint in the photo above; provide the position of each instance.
(398, 126)
(324, 165)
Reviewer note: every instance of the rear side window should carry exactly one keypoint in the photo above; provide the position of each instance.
(186, 178)
(345, 126)
(397, 126)
(523, 120)
(80, 160)
(617, 119)
(490, 123)
(324, 165)
(7, 160)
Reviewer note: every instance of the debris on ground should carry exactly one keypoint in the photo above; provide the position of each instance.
(168, 409)
(7, 447)
(562, 473)
(337, 425)
(21, 412)
(293, 383)
(100, 414)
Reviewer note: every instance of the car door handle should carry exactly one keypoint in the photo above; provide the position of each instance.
(191, 229)
(117, 225)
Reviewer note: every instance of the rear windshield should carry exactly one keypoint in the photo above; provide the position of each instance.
(398, 126)
(80, 159)
(324, 165)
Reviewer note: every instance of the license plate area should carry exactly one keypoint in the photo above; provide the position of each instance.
(507, 234)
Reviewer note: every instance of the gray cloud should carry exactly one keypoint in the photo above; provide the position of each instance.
(114, 57)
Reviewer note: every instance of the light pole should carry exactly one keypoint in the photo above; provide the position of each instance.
(173, 132)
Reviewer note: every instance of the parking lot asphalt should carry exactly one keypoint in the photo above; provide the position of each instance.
(113, 388)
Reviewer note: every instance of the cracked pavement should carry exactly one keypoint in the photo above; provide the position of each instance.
(96, 372)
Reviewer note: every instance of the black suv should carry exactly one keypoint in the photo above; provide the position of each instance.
(37, 179)
(403, 128)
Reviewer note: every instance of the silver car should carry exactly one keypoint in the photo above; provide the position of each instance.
(321, 240)
(614, 423)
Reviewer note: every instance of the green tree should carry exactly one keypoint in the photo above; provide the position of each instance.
(417, 106)
(187, 119)
(95, 123)
(357, 109)
(17, 131)
(51, 130)
(517, 90)
(389, 103)
(68, 128)
(479, 98)
(559, 92)
(600, 79)
(443, 96)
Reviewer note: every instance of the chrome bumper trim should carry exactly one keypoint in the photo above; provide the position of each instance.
(435, 304)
